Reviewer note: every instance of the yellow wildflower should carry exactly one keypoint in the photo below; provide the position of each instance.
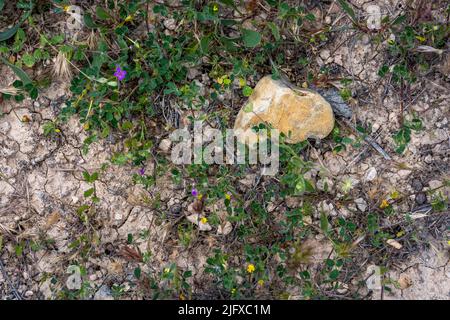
(227, 196)
(260, 282)
(400, 233)
(66, 8)
(251, 268)
(204, 220)
(223, 80)
(215, 8)
(220, 80)
(421, 39)
(57, 130)
(233, 291)
(395, 195)
(384, 204)
(166, 270)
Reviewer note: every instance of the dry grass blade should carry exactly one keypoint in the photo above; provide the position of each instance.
(61, 67)
(9, 90)
(131, 254)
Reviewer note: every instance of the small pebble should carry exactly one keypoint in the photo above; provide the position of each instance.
(29, 293)
(416, 184)
(175, 209)
(421, 198)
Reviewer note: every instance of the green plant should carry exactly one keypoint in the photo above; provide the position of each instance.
(403, 136)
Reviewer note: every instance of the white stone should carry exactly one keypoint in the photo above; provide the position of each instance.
(170, 24)
(361, 204)
(325, 184)
(373, 274)
(403, 173)
(104, 293)
(325, 54)
(165, 145)
(434, 184)
(370, 175)
(29, 293)
(4, 127)
(226, 229)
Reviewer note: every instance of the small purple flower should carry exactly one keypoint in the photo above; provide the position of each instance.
(141, 171)
(194, 192)
(120, 73)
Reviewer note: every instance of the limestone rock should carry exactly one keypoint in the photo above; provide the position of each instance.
(165, 145)
(361, 204)
(298, 113)
(404, 282)
(225, 229)
(370, 175)
(104, 293)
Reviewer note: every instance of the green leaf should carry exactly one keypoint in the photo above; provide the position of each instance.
(94, 177)
(334, 274)
(324, 222)
(19, 72)
(229, 3)
(399, 20)
(247, 91)
(5, 35)
(19, 250)
(86, 176)
(251, 38)
(204, 44)
(89, 22)
(2, 4)
(275, 31)
(248, 107)
(102, 13)
(33, 93)
(89, 192)
(383, 70)
(137, 273)
(300, 186)
(82, 208)
(28, 60)
(348, 9)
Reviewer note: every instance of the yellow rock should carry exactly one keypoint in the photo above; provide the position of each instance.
(298, 113)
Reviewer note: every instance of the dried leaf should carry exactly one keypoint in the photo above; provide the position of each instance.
(251, 5)
(428, 49)
(404, 282)
(394, 244)
(52, 219)
(199, 204)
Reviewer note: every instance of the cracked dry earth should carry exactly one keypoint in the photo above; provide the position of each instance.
(42, 186)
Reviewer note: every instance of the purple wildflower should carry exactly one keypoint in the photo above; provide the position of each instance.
(141, 171)
(194, 192)
(120, 73)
